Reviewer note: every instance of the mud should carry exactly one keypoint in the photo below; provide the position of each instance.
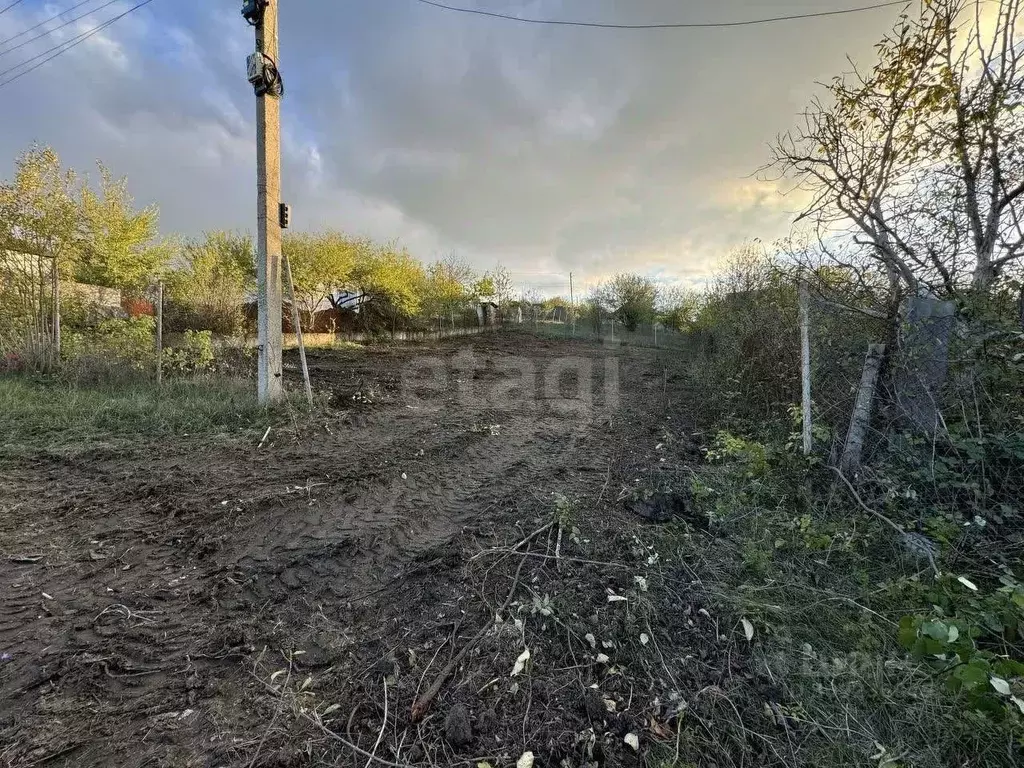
(147, 595)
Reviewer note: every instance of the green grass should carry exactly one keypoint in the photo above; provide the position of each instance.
(46, 415)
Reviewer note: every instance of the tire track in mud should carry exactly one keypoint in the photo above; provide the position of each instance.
(166, 571)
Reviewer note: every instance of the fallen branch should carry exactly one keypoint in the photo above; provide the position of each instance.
(422, 704)
(558, 548)
(913, 542)
(357, 749)
(526, 540)
(315, 720)
(383, 726)
(865, 507)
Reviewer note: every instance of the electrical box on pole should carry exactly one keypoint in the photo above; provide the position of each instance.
(263, 75)
(253, 10)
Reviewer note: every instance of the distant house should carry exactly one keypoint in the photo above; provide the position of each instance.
(346, 300)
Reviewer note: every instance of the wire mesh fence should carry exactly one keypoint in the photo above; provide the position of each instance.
(651, 335)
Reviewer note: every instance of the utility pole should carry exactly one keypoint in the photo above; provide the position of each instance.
(265, 77)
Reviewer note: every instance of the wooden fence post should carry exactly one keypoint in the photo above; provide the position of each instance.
(849, 464)
(160, 333)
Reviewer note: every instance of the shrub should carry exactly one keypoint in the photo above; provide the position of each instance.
(113, 349)
(194, 356)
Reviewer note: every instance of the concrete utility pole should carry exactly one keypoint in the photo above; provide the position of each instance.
(268, 200)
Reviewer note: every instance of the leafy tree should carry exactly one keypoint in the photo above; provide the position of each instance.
(449, 287)
(591, 313)
(501, 281)
(495, 284)
(211, 281)
(678, 308)
(392, 281)
(41, 234)
(484, 287)
(556, 308)
(322, 264)
(119, 248)
(629, 297)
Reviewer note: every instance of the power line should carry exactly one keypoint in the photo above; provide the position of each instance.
(44, 21)
(5, 10)
(680, 25)
(66, 46)
(55, 29)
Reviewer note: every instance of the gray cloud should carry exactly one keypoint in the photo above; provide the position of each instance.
(551, 149)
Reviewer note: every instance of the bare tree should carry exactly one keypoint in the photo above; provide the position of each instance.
(919, 158)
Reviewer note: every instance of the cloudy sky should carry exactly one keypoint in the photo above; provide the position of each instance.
(551, 149)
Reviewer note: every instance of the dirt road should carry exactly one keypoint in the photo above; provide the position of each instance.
(147, 596)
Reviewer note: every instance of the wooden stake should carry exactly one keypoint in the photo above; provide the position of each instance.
(572, 306)
(55, 278)
(298, 332)
(160, 333)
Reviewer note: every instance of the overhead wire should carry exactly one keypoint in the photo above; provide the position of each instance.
(55, 16)
(669, 25)
(57, 28)
(12, 5)
(66, 46)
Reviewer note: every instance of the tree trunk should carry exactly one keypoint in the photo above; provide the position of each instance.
(984, 274)
(850, 462)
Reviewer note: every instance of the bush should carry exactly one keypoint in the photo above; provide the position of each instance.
(748, 334)
(851, 627)
(113, 349)
(181, 316)
(194, 356)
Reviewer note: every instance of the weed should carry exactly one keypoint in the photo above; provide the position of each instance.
(878, 663)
